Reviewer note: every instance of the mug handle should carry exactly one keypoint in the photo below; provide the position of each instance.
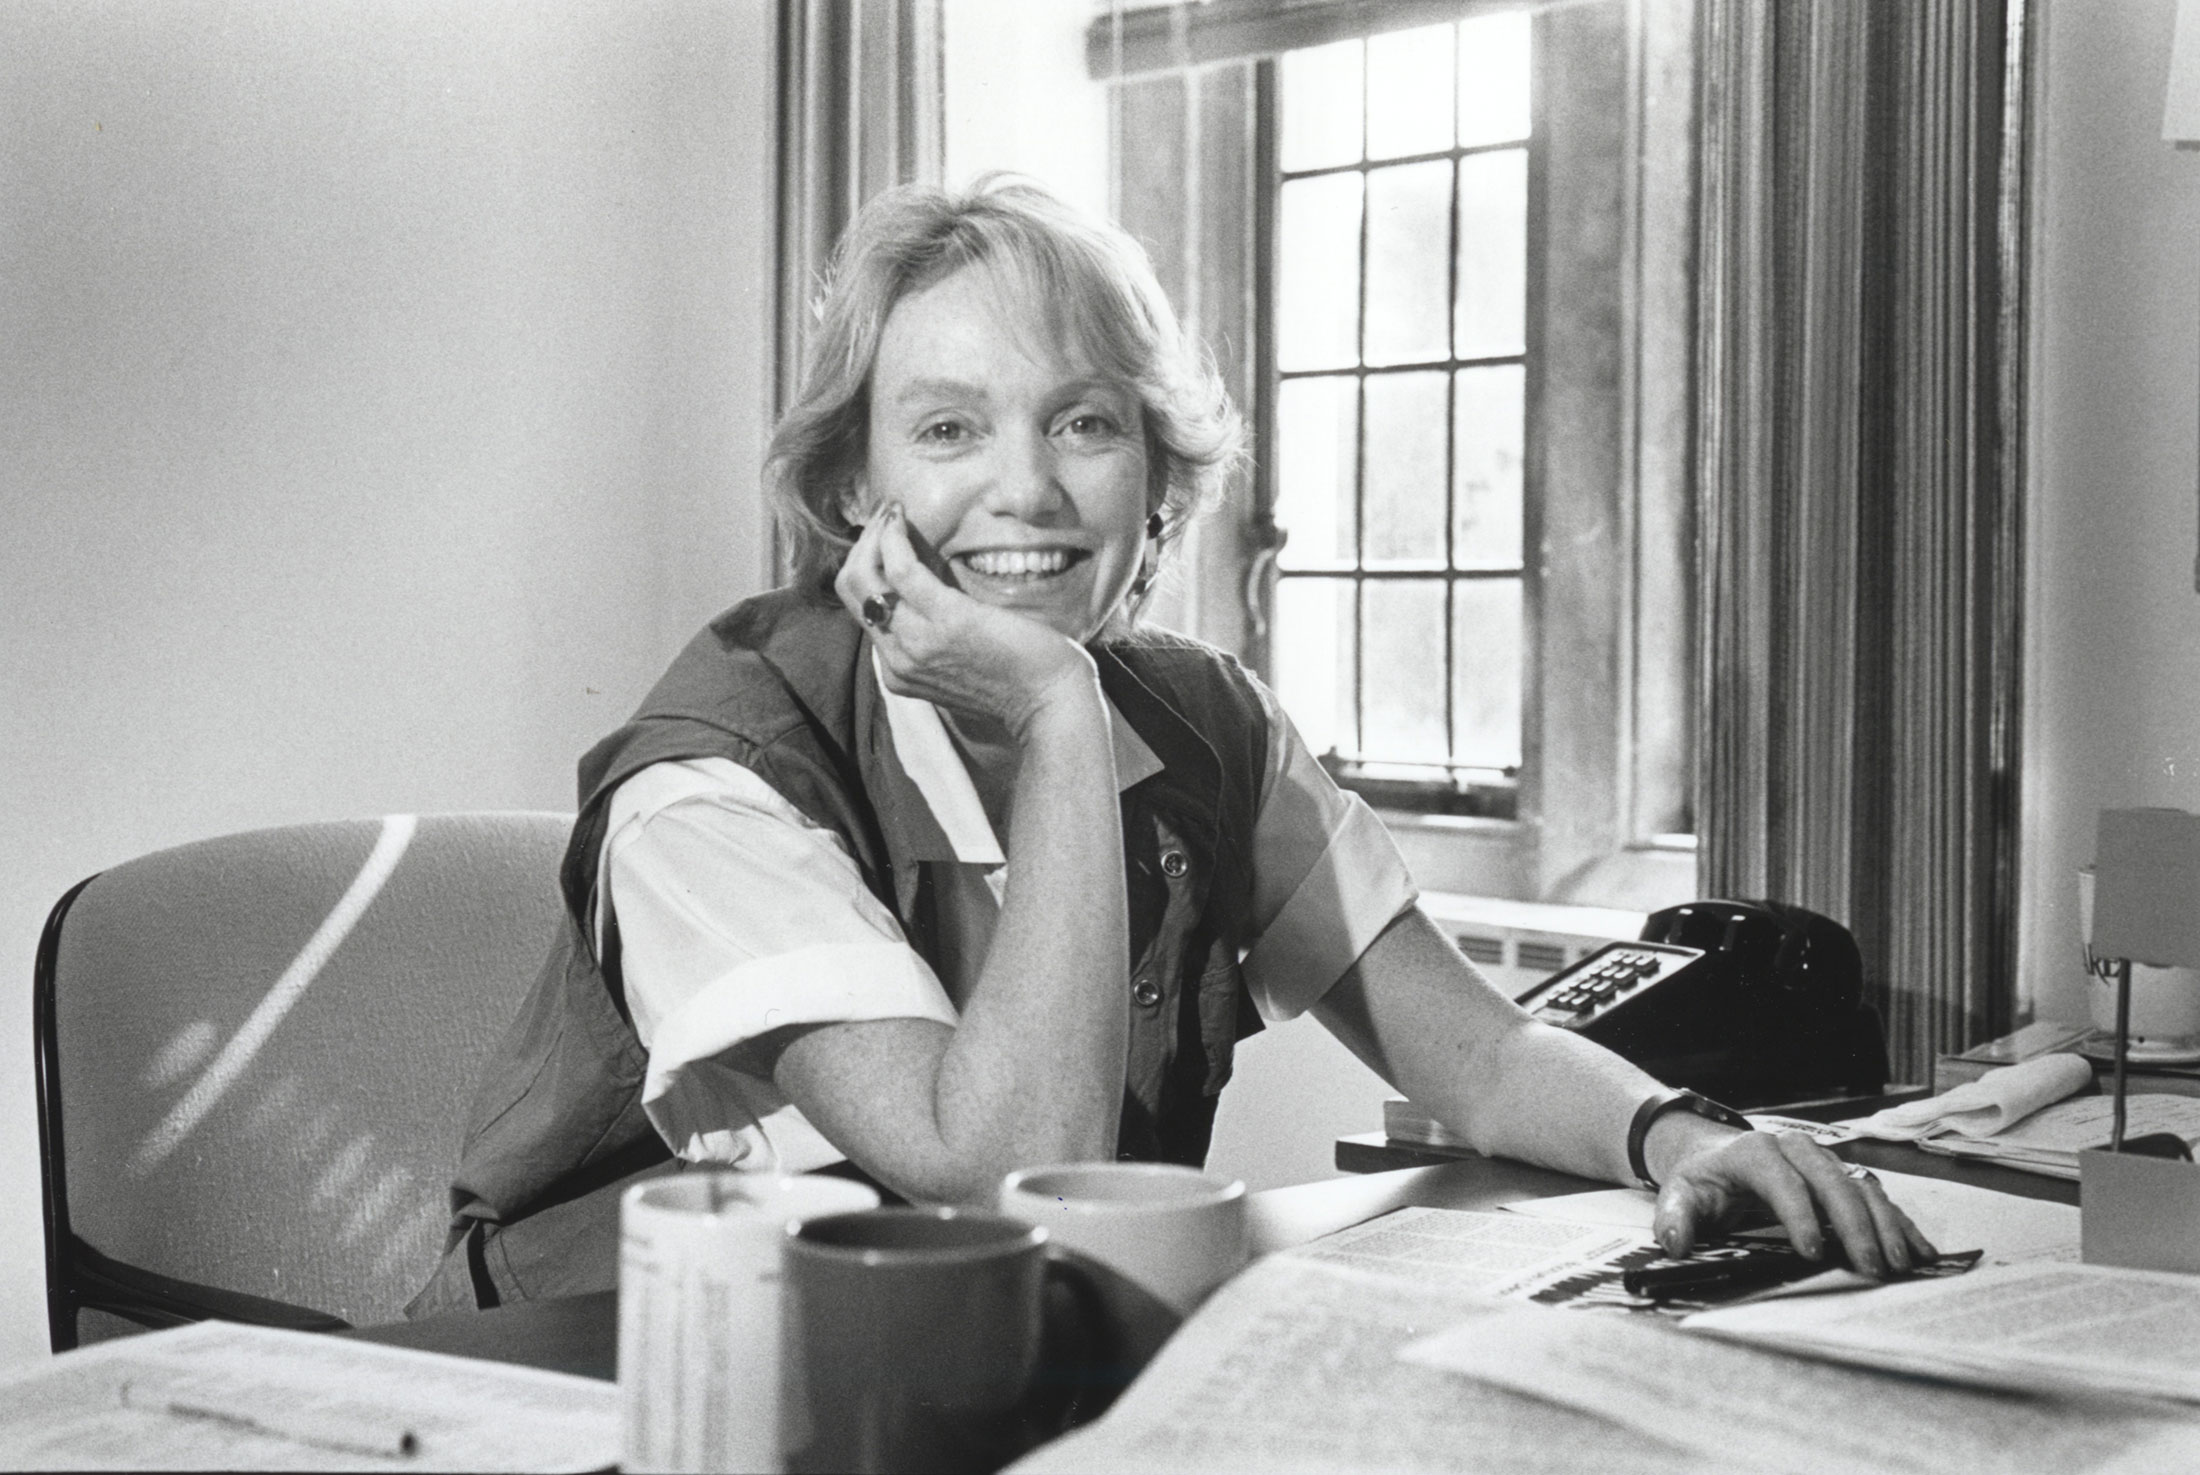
(1099, 1330)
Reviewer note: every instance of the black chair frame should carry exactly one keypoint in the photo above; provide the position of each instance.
(78, 1276)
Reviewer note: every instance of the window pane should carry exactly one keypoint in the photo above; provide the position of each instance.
(1408, 287)
(1493, 79)
(1315, 424)
(1321, 106)
(1409, 107)
(1405, 467)
(1403, 627)
(1490, 418)
(1319, 293)
(1485, 676)
(1312, 656)
(1493, 253)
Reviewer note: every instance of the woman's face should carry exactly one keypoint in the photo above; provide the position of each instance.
(1027, 474)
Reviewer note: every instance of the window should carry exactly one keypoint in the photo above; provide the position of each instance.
(1400, 317)
(1443, 253)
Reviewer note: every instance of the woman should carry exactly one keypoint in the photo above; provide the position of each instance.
(935, 864)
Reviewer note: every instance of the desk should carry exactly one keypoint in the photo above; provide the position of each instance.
(580, 1334)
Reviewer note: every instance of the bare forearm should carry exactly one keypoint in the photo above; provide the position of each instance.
(1424, 1018)
(1035, 1069)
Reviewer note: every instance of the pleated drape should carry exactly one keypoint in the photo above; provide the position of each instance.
(1859, 456)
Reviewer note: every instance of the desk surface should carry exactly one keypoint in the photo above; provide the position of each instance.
(579, 1334)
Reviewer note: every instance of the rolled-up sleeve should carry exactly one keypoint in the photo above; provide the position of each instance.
(736, 916)
(1327, 878)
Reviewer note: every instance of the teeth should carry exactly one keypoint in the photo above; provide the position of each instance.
(1012, 563)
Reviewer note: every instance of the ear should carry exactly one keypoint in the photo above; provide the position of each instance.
(855, 502)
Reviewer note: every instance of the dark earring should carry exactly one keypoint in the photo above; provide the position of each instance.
(1154, 525)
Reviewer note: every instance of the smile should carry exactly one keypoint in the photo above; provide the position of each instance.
(1021, 563)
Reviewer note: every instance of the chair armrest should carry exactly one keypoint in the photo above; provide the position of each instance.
(99, 1282)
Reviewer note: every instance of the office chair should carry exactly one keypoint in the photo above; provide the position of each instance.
(254, 1058)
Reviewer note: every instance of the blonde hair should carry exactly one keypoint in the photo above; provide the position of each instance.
(1076, 279)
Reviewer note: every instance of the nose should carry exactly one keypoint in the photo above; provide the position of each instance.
(1026, 482)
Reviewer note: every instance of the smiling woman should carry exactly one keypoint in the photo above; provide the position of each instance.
(954, 867)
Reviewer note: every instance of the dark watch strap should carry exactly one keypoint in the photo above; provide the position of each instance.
(1653, 1107)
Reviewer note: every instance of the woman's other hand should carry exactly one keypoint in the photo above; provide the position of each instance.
(939, 644)
(1804, 1185)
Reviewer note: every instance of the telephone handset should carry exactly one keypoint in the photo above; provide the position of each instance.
(1750, 1002)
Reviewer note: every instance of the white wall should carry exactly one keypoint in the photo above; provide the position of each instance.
(2112, 671)
(382, 386)
(1018, 97)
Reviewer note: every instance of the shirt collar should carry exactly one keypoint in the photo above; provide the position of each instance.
(928, 756)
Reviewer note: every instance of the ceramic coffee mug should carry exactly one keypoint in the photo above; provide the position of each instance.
(699, 1278)
(910, 1338)
(1176, 1231)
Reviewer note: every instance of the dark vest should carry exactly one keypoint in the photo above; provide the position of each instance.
(779, 685)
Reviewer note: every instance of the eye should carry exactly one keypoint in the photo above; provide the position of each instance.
(943, 432)
(1091, 425)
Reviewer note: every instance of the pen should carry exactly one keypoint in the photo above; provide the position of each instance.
(317, 1429)
(1729, 1272)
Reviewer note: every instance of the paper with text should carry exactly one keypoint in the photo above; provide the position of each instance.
(1473, 1254)
(1293, 1366)
(1754, 1410)
(2039, 1327)
(1955, 1216)
(218, 1396)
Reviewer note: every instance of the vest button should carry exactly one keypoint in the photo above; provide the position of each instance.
(1146, 992)
(1173, 864)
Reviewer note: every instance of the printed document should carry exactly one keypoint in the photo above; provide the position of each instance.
(1475, 1254)
(2037, 1328)
(2050, 1140)
(2006, 1229)
(1740, 1408)
(218, 1396)
(1292, 1366)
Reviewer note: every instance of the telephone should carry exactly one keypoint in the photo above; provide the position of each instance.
(1750, 1002)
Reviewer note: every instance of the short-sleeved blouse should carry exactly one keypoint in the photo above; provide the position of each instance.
(738, 916)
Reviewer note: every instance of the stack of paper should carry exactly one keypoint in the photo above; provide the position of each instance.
(1991, 1104)
(1737, 1407)
(2085, 1329)
(2049, 1140)
(216, 1396)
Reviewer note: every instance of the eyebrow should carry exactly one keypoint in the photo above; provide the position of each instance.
(930, 389)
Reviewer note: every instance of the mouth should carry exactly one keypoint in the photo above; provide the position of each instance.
(1020, 566)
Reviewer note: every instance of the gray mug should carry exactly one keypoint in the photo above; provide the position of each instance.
(909, 1340)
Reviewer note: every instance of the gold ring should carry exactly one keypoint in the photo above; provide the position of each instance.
(878, 610)
(1860, 1173)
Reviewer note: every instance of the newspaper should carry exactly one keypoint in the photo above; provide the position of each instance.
(2089, 1329)
(1743, 1408)
(2006, 1229)
(1293, 1367)
(218, 1396)
(2050, 1140)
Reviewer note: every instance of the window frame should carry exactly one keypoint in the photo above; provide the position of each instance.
(1607, 762)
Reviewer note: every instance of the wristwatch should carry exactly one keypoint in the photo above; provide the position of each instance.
(1658, 1105)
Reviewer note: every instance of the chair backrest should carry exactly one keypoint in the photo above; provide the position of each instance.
(256, 1052)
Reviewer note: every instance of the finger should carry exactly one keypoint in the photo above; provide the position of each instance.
(903, 568)
(1893, 1228)
(1775, 1180)
(1842, 1200)
(1896, 1227)
(861, 574)
(1686, 1209)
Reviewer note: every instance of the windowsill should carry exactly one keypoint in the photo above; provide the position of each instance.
(1495, 859)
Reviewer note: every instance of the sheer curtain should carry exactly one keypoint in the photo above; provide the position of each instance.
(1859, 425)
